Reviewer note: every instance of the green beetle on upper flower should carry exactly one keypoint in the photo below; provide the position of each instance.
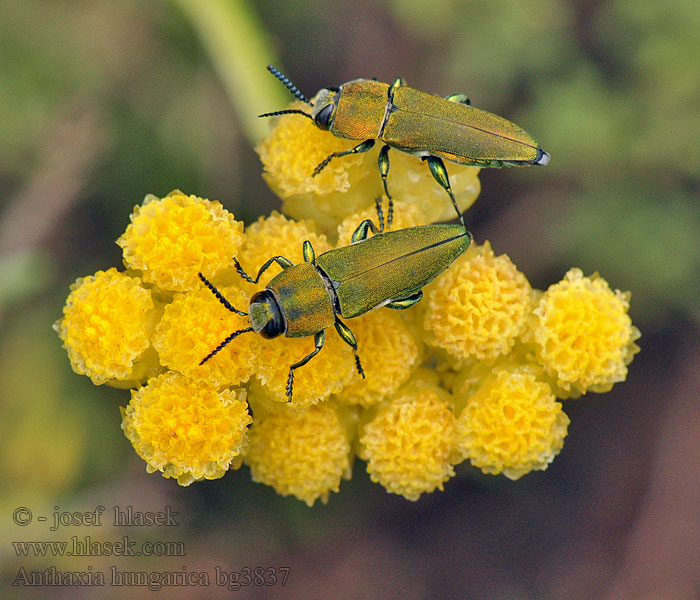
(418, 123)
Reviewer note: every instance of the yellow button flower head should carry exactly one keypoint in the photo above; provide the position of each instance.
(106, 325)
(194, 324)
(389, 353)
(478, 307)
(583, 334)
(303, 452)
(184, 429)
(511, 425)
(409, 442)
(170, 240)
(276, 235)
(291, 152)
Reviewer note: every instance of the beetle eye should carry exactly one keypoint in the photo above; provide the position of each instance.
(324, 118)
(266, 315)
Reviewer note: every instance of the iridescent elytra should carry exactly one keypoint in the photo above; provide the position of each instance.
(386, 269)
(418, 123)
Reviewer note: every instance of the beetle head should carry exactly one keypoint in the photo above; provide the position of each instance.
(323, 110)
(266, 316)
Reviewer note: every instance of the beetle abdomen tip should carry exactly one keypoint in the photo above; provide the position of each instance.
(542, 157)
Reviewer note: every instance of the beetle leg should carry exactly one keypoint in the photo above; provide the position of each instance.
(459, 99)
(309, 254)
(283, 262)
(406, 302)
(398, 82)
(319, 339)
(380, 214)
(349, 338)
(362, 147)
(437, 168)
(383, 162)
(363, 230)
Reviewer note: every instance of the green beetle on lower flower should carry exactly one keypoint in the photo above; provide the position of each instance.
(387, 269)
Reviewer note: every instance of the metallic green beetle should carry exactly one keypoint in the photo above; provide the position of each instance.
(418, 123)
(386, 269)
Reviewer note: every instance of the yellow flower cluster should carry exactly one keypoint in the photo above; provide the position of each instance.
(470, 373)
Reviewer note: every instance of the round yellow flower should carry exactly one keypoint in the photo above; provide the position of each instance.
(408, 444)
(184, 429)
(583, 335)
(171, 240)
(300, 451)
(478, 307)
(388, 352)
(194, 324)
(106, 325)
(511, 425)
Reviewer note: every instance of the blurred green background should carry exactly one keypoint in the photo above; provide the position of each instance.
(105, 101)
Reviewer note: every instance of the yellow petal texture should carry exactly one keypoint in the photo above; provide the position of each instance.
(388, 353)
(584, 337)
(194, 324)
(302, 452)
(186, 430)
(170, 240)
(478, 307)
(106, 327)
(408, 444)
(511, 425)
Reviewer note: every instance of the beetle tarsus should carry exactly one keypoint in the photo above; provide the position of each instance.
(380, 213)
(360, 370)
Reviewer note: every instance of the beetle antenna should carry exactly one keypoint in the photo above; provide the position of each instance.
(291, 111)
(223, 344)
(220, 297)
(288, 84)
